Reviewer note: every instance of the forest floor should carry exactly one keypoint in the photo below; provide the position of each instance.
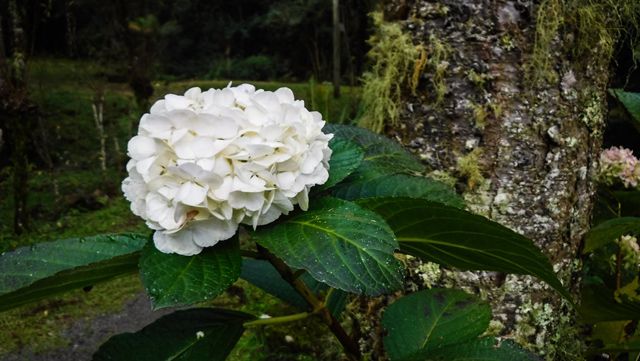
(70, 197)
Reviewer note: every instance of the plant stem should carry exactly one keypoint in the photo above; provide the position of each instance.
(250, 254)
(618, 268)
(351, 348)
(274, 320)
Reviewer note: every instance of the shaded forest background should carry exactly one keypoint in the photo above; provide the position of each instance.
(88, 69)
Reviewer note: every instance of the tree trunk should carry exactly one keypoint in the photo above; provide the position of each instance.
(519, 128)
(16, 111)
(336, 48)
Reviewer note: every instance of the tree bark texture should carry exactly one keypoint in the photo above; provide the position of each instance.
(522, 150)
(16, 111)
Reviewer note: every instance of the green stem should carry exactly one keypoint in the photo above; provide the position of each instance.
(350, 346)
(276, 320)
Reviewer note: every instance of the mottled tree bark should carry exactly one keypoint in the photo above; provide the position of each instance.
(521, 141)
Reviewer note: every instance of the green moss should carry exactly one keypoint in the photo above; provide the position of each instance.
(478, 79)
(469, 168)
(39, 326)
(597, 26)
(438, 63)
(392, 56)
(480, 115)
(443, 177)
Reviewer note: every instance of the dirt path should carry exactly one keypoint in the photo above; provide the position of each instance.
(85, 336)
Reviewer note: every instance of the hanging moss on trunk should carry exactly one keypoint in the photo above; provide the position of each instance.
(590, 23)
(393, 56)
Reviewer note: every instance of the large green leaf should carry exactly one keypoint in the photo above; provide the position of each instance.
(388, 170)
(609, 231)
(380, 152)
(338, 243)
(373, 184)
(483, 349)
(35, 272)
(439, 233)
(632, 345)
(598, 304)
(419, 323)
(173, 280)
(631, 102)
(264, 276)
(190, 335)
(346, 158)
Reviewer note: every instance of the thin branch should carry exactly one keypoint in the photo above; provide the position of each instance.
(275, 320)
(350, 346)
(251, 254)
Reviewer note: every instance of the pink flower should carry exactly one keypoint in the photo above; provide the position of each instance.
(619, 165)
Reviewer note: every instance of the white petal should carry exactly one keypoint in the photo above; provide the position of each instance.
(158, 107)
(268, 101)
(173, 101)
(179, 242)
(223, 191)
(272, 214)
(303, 199)
(191, 194)
(208, 233)
(141, 147)
(286, 180)
(250, 201)
(194, 93)
(157, 126)
(190, 147)
(285, 95)
(215, 126)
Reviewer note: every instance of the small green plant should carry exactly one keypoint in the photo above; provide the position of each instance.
(610, 288)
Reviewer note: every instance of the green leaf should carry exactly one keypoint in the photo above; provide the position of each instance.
(372, 184)
(380, 152)
(190, 335)
(346, 158)
(483, 349)
(419, 323)
(264, 276)
(388, 170)
(629, 346)
(35, 272)
(173, 280)
(631, 102)
(598, 304)
(439, 233)
(340, 244)
(609, 231)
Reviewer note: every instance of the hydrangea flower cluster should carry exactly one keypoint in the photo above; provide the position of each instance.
(205, 162)
(619, 165)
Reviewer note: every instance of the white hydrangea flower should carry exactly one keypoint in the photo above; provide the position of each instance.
(205, 162)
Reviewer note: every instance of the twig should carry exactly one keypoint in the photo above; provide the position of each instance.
(274, 320)
(350, 346)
